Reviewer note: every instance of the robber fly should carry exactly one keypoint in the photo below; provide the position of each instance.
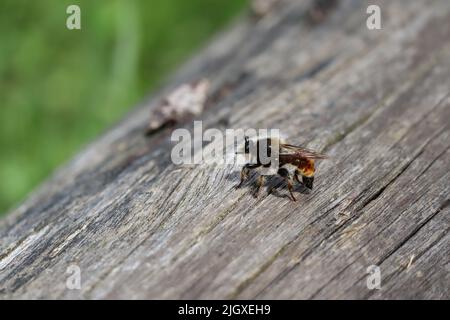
(301, 159)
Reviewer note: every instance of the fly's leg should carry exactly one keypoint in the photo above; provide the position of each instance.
(283, 172)
(244, 172)
(244, 175)
(307, 182)
(259, 184)
(296, 178)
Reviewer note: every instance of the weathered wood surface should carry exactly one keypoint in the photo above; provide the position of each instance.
(376, 101)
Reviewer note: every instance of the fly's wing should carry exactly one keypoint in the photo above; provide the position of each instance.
(302, 152)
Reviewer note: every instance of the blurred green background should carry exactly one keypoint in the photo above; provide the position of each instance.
(60, 88)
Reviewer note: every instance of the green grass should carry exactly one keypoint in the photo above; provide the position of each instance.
(60, 88)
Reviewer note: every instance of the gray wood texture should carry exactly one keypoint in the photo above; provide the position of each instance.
(378, 102)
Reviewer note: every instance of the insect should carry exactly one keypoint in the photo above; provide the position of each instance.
(301, 159)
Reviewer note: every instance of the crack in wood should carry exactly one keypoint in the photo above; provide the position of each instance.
(444, 205)
(402, 243)
(105, 275)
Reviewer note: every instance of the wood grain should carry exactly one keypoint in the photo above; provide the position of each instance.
(378, 102)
